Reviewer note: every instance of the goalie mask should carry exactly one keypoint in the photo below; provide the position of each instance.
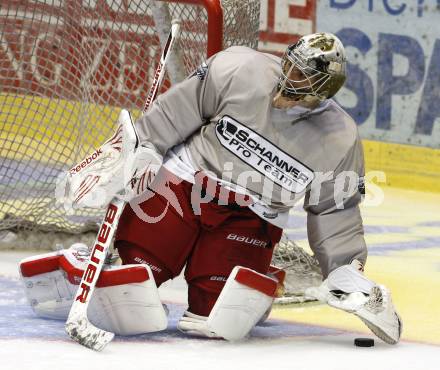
(314, 66)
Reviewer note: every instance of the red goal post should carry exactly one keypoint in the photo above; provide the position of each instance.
(215, 24)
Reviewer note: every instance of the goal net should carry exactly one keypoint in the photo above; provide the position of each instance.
(67, 67)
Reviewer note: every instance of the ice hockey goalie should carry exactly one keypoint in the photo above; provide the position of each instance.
(227, 153)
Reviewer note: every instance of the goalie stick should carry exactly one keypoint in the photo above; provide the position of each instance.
(78, 325)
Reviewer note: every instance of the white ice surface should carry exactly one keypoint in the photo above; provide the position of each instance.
(27, 343)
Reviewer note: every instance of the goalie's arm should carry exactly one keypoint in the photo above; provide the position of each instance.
(335, 233)
(179, 112)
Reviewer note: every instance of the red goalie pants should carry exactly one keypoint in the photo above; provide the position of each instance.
(210, 240)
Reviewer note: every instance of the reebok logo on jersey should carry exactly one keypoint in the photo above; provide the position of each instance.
(263, 156)
(246, 239)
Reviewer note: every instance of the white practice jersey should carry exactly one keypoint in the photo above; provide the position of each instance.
(224, 118)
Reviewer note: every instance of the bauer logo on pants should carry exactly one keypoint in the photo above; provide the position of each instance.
(262, 155)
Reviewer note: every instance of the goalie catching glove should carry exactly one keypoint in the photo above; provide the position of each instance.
(121, 166)
(347, 289)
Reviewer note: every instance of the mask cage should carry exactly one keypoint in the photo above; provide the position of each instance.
(312, 69)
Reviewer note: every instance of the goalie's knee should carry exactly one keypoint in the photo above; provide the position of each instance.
(244, 299)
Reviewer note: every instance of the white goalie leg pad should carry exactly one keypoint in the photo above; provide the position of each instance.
(280, 276)
(47, 289)
(126, 301)
(346, 288)
(244, 299)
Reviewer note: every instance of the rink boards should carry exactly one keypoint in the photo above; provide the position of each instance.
(50, 130)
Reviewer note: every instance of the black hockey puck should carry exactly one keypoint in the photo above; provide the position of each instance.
(364, 342)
